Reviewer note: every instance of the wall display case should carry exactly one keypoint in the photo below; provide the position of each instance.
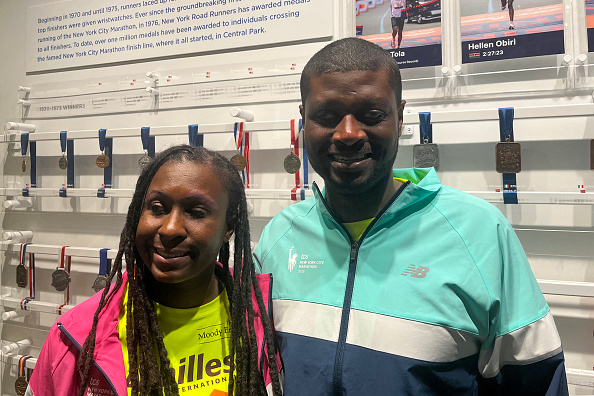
(63, 210)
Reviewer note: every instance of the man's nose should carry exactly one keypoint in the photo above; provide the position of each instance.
(349, 131)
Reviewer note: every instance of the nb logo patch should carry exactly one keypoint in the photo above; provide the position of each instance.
(416, 271)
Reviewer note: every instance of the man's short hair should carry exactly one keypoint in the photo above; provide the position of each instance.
(351, 54)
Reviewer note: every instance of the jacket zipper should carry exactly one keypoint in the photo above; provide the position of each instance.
(79, 347)
(348, 293)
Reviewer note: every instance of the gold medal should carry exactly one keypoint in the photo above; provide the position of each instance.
(239, 161)
(24, 165)
(508, 157)
(20, 386)
(102, 161)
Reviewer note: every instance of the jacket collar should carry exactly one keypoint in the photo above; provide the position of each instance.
(424, 183)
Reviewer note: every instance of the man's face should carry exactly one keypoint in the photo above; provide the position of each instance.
(352, 124)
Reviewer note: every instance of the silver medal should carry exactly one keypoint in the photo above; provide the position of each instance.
(426, 156)
(292, 163)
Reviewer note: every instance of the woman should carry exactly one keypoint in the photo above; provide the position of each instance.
(187, 204)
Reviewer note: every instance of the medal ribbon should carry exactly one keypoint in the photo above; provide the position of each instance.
(24, 301)
(23, 366)
(24, 143)
(69, 263)
(301, 184)
(63, 137)
(145, 133)
(23, 252)
(102, 136)
(243, 148)
(426, 134)
(70, 159)
(194, 138)
(104, 263)
(506, 134)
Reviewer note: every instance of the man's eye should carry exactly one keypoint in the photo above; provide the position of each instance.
(326, 119)
(373, 117)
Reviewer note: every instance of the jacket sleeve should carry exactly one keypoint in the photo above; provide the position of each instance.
(522, 354)
(42, 381)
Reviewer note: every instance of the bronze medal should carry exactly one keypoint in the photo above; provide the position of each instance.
(144, 161)
(21, 275)
(508, 157)
(100, 283)
(20, 385)
(60, 279)
(426, 156)
(292, 163)
(102, 161)
(24, 165)
(63, 163)
(592, 154)
(239, 162)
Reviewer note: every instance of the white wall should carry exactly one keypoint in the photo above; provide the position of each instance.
(557, 237)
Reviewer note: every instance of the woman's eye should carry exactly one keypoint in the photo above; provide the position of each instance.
(156, 208)
(197, 213)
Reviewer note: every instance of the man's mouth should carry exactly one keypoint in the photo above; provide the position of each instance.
(348, 159)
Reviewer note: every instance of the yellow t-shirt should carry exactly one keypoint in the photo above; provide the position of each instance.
(197, 342)
(357, 228)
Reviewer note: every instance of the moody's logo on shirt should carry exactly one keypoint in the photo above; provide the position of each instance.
(301, 261)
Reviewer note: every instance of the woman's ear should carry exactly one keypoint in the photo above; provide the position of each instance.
(230, 229)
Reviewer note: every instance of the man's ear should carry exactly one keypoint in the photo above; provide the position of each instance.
(400, 115)
(302, 112)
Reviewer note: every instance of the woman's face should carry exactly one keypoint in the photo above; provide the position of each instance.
(183, 223)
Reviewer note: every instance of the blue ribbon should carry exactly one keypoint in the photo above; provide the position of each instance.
(104, 262)
(24, 143)
(24, 253)
(195, 139)
(506, 134)
(102, 136)
(305, 161)
(426, 134)
(145, 133)
(70, 158)
(63, 136)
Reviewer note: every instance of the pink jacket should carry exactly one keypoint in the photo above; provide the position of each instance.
(55, 372)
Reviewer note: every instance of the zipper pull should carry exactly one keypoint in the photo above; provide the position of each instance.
(354, 251)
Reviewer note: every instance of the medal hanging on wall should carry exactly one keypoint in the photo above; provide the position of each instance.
(22, 381)
(104, 269)
(63, 162)
(426, 154)
(238, 160)
(145, 133)
(21, 270)
(61, 276)
(292, 162)
(24, 146)
(102, 161)
(508, 153)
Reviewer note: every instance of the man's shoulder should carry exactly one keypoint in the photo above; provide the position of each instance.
(287, 215)
(455, 202)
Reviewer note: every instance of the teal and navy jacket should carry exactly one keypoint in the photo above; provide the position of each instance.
(437, 297)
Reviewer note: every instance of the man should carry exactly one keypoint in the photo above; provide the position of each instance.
(397, 6)
(399, 285)
(509, 4)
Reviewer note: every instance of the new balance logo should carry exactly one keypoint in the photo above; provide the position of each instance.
(416, 271)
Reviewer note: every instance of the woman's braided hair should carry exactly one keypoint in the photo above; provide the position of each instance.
(150, 373)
